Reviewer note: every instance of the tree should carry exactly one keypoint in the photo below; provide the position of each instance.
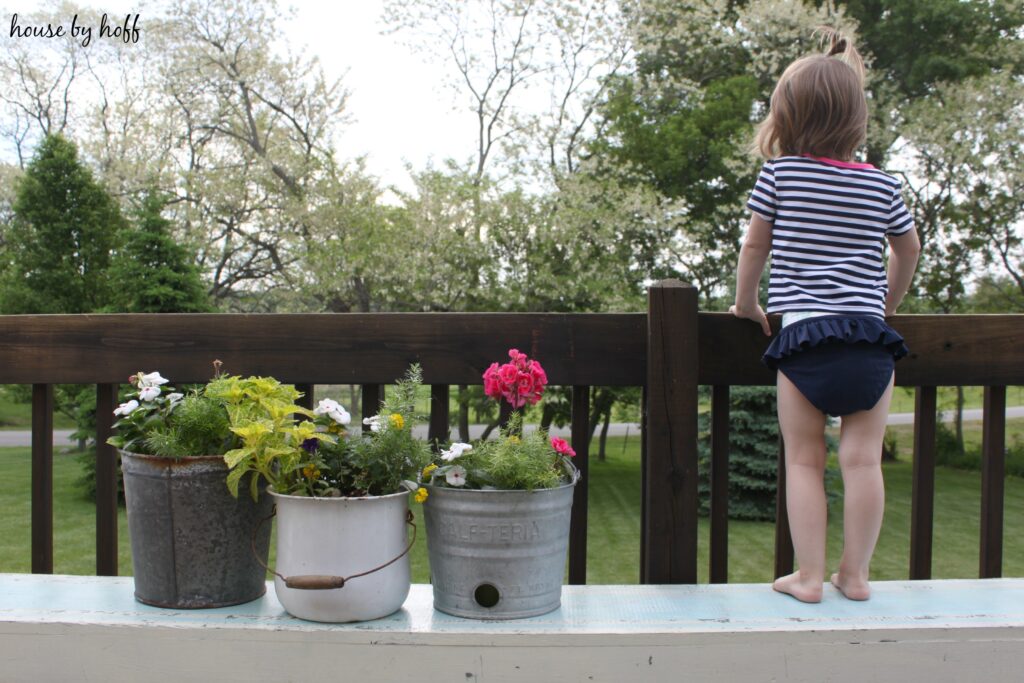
(915, 45)
(63, 231)
(151, 272)
(684, 118)
(753, 454)
(57, 250)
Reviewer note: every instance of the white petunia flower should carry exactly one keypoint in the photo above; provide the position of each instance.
(456, 476)
(149, 393)
(334, 410)
(456, 450)
(374, 423)
(152, 379)
(126, 408)
(175, 397)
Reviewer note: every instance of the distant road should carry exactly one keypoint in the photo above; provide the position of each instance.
(61, 437)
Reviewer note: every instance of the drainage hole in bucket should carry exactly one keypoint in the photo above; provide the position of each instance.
(486, 595)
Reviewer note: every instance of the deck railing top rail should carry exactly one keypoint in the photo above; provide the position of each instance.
(597, 349)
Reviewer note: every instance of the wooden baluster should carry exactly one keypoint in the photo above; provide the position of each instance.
(923, 495)
(439, 415)
(42, 478)
(670, 489)
(578, 525)
(993, 473)
(107, 476)
(783, 538)
(307, 399)
(504, 413)
(373, 394)
(719, 552)
(643, 484)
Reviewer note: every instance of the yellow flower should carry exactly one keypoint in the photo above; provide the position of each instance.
(335, 428)
(397, 421)
(311, 471)
(514, 438)
(428, 470)
(421, 494)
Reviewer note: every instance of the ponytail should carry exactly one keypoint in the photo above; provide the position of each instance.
(842, 48)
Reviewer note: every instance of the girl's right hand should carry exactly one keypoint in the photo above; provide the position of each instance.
(756, 314)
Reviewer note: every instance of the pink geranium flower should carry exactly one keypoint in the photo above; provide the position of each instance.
(520, 381)
(562, 447)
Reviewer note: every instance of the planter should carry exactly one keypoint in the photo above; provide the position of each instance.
(192, 542)
(497, 554)
(320, 540)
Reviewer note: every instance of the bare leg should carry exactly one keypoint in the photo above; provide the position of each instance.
(860, 459)
(803, 431)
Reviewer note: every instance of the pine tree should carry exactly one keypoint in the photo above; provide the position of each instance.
(152, 273)
(753, 455)
(63, 231)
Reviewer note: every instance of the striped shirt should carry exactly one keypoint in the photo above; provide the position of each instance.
(830, 220)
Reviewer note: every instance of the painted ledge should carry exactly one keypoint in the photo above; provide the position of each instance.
(601, 633)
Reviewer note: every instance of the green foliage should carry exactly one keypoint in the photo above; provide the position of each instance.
(918, 43)
(197, 426)
(57, 254)
(753, 455)
(514, 461)
(379, 461)
(153, 273)
(260, 410)
(949, 454)
(312, 457)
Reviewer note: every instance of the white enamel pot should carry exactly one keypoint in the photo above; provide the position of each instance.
(342, 559)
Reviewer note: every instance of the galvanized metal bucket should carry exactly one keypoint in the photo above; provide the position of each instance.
(192, 541)
(321, 541)
(497, 554)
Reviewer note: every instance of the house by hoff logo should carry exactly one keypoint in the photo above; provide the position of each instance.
(127, 32)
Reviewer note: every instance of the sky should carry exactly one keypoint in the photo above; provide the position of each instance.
(399, 109)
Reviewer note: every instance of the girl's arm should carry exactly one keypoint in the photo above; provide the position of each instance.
(903, 252)
(753, 255)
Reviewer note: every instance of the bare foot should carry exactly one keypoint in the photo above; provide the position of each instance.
(802, 590)
(852, 589)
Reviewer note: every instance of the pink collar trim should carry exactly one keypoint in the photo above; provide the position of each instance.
(836, 162)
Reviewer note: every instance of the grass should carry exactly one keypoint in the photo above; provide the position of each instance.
(613, 546)
(903, 398)
(74, 518)
(18, 415)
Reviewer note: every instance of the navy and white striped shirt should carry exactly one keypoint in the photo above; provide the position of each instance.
(830, 219)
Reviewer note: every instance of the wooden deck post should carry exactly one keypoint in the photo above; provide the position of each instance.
(670, 490)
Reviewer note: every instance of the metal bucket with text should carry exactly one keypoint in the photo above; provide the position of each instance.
(497, 554)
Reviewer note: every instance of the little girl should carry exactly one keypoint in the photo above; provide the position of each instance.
(825, 220)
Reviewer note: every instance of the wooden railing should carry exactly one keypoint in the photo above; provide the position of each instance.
(670, 351)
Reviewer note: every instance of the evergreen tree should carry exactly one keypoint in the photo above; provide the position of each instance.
(57, 252)
(753, 455)
(152, 273)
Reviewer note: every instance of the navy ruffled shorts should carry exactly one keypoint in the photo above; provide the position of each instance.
(842, 364)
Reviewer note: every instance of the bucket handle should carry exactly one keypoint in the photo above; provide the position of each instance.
(326, 581)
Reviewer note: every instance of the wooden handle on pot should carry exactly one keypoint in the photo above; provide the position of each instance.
(315, 582)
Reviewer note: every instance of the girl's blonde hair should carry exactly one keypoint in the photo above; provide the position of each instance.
(818, 106)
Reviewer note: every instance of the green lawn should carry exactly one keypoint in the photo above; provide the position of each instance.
(18, 415)
(903, 398)
(613, 543)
